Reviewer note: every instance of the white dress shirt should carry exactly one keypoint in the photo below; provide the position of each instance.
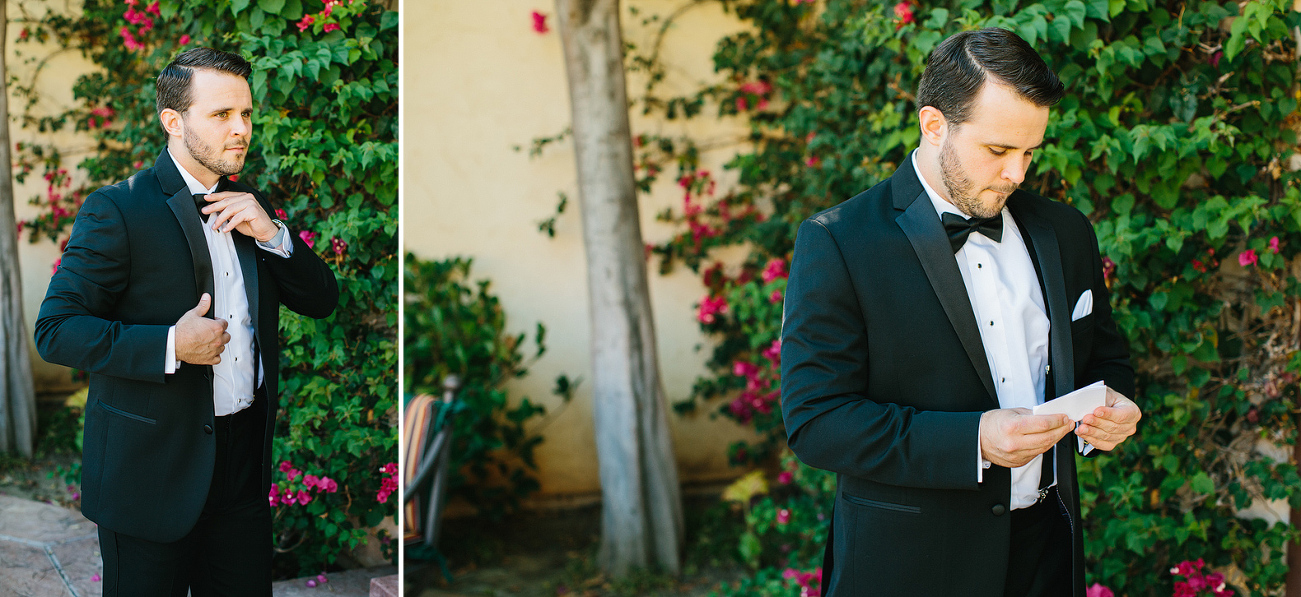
(1009, 307)
(233, 378)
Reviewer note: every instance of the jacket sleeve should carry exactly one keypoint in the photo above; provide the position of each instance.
(307, 285)
(72, 328)
(831, 423)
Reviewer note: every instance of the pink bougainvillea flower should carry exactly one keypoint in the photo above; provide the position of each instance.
(903, 13)
(785, 477)
(540, 22)
(774, 352)
(303, 497)
(306, 23)
(783, 516)
(1248, 258)
(322, 578)
(338, 245)
(1215, 59)
(311, 583)
(185, 39)
(308, 237)
(56, 266)
(309, 481)
(710, 307)
(812, 161)
(776, 268)
(1108, 267)
(153, 8)
(330, 27)
(775, 297)
(285, 466)
(1273, 245)
(281, 215)
(1097, 590)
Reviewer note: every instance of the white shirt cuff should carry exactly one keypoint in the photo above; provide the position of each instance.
(280, 244)
(1085, 447)
(170, 363)
(981, 463)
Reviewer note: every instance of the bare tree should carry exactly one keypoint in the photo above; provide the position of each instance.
(642, 504)
(17, 394)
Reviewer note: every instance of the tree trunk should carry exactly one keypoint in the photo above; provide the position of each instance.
(17, 396)
(641, 501)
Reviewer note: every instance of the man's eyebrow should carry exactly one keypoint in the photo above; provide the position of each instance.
(1010, 147)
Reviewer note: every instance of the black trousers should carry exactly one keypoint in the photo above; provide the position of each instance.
(228, 553)
(1039, 560)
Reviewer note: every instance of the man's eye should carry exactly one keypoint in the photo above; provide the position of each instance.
(997, 151)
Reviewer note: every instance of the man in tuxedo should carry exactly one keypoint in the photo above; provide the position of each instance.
(168, 294)
(924, 318)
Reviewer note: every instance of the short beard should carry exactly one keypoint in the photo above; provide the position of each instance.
(204, 155)
(960, 188)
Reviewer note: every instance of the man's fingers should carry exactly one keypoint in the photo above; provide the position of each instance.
(201, 309)
(1030, 424)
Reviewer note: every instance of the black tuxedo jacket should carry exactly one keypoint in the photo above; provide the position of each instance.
(884, 379)
(136, 261)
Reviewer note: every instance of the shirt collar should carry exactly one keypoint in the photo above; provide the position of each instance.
(197, 188)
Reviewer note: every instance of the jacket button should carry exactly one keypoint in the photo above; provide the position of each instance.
(208, 430)
(998, 509)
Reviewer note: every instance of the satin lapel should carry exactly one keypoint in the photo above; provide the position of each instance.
(182, 205)
(246, 253)
(1049, 257)
(926, 234)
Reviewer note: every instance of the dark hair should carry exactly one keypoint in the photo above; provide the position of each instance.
(957, 69)
(173, 85)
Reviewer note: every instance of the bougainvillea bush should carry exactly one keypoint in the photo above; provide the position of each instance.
(1176, 138)
(325, 151)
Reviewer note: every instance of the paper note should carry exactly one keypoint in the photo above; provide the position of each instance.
(1076, 404)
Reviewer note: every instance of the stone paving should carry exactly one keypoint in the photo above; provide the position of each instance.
(50, 551)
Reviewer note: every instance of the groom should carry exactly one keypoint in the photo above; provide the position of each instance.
(924, 318)
(169, 295)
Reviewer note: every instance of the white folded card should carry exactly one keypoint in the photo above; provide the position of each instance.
(1076, 404)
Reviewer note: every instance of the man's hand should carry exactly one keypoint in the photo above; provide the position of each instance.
(1012, 437)
(242, 212)
(1109, 425)
(200, 340)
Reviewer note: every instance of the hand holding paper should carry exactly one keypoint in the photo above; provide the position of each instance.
(1105, 416)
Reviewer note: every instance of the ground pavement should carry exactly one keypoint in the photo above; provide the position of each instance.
(50, 551)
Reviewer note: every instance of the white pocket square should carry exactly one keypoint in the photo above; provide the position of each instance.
(1084, 306)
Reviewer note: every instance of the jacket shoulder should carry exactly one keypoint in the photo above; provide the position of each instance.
(856, 211)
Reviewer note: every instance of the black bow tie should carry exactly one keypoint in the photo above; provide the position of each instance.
(959, 228)
(199, 203)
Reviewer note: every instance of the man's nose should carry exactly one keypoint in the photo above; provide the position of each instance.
(1015, 170)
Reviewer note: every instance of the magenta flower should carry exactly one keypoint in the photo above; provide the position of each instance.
(812, 161)
(303, 497)
(903, 13)
(286, 466)
(783, 516)
(322, 579)
(540, 22)
(308, 237)
(153, 8)
(309, 481)
(338, 245)
(785, 477)
(1248, 258)
(185, 39)
(311, 583)
(775, 297)
(56, 265)
(710, 307)
(774, 352)
(1273, 245)
(330, 27)
(1097, 590)
(95, 578)
(776, 268)
(306, 23)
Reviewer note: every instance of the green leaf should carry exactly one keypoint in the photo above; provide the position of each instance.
(1201, 483)
(273, 6)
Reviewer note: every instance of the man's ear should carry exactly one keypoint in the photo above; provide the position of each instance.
(172, 122)
(933, 124)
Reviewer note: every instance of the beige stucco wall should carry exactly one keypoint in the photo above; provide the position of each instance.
(53, 80)
(478, 80)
